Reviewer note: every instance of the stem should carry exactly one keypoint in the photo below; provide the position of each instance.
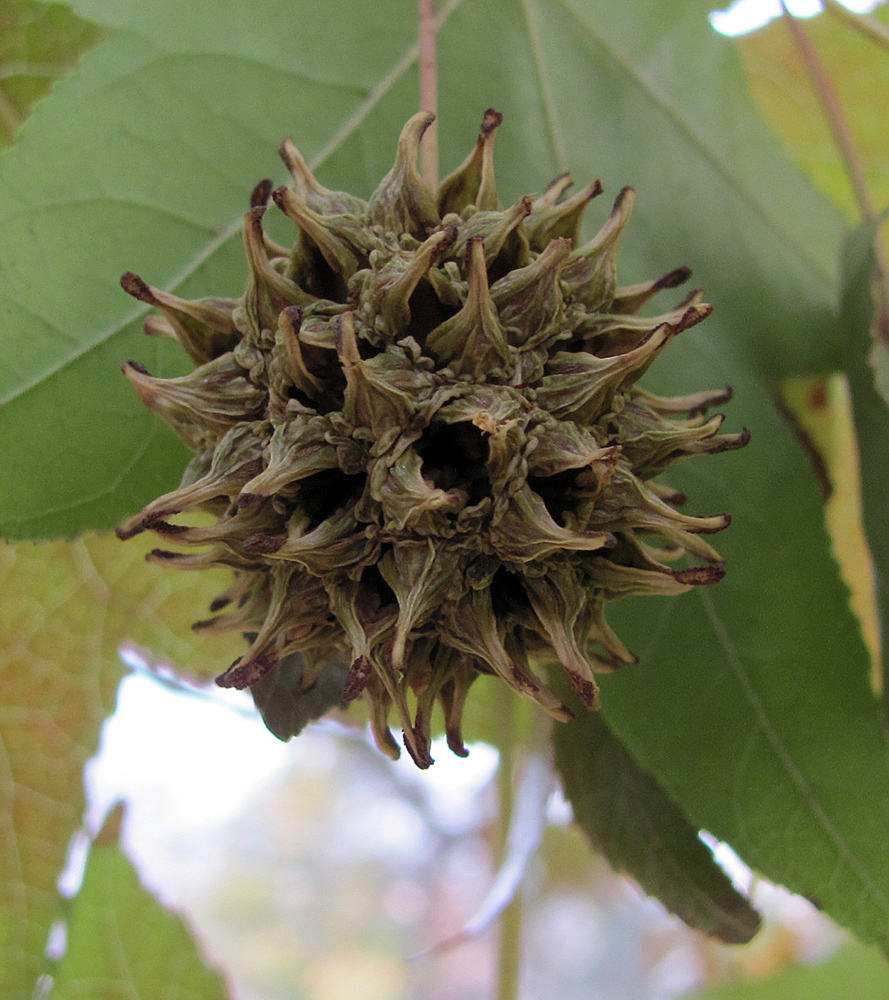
(429, 91)
(509, 952)
(869, 27)
(832, 111)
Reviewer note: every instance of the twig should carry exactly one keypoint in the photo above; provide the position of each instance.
(429, 91)
(509, 949)
(869, 27)
(842, 137)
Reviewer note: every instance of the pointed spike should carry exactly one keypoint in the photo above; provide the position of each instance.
(505, 240)
(591, 273)
(554, 190)
(472, 183)
(633, 297)
(194, 409)
(289, 322)
(473, 342)
(259, 197)
(394, 303)
(314, 194)
(563, 219)
(341, 254)
(204, 327)
(380, 704)
(698, 403)
(279, 288)
(402, 203)
(529, 300)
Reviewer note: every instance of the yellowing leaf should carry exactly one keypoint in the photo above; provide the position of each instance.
(66, 609)
(858, 71)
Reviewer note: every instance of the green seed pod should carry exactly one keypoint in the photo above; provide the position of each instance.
(421, 437)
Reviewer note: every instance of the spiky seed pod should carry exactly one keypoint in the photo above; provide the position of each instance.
(421, 437)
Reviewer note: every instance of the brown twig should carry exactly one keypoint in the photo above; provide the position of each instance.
(832, 111)
(429, 91)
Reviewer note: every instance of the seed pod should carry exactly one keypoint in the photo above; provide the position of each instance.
(421, 437)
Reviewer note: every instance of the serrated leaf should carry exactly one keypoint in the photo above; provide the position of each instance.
(641, 830)
(39, 42)
(871, 416)
(122, 944)
(855, 971)
(67, 608)
(143, 161)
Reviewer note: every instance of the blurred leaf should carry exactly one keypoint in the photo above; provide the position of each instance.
(859, 73)
(67, 608)
(855, 971)
(145, 158)
(871, 415)
(39, 42)
(58, 678)
(123, 944)
(641, 830)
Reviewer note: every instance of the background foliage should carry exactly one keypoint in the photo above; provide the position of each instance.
(752, 707)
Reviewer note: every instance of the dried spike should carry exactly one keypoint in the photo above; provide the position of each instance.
(269, 291)
(526, 532)
(558, 601)
(236, 458)
(581, 387)
(289, 322)
(472, 183)
(697, 403)
(505, 240)
(203, 406)
(376, 396)
(260, 195)
(419, 574)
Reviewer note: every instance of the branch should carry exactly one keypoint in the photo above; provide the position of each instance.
(429, 91)
(832, 110)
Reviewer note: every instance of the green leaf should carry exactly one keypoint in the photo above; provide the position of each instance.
(123, 944)
(642, 831)
(871, 417)
(143, 160)
(855, 971)
(39, 43)
(751, 703)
